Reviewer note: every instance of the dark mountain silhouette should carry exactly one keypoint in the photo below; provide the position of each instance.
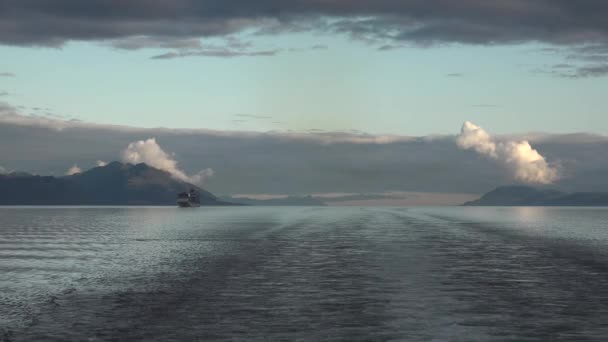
(529, 196)
(113, 184)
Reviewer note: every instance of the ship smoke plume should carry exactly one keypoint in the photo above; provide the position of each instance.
(526, 163)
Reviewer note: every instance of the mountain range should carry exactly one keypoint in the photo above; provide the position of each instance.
(529, 196)
(113, 184)
(128, 184)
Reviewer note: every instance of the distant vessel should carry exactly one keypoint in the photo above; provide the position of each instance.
(189, 199)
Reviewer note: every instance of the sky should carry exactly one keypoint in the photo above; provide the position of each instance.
(374, 89)
(383, 67)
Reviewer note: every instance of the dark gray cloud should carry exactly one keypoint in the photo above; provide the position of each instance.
(297, 163)
(455, 74)
(4, 93)
(7, 74)
(141, 42)
(579, 26)
(40, 22)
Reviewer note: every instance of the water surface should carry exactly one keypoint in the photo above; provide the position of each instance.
(309, 274)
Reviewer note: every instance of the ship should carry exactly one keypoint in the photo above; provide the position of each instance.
(190, 199)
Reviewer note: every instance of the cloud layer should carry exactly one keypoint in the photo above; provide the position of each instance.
(38, 22)
(148, 151)
(13, 116)
(527, 164)
(301, 163)
(181, 26)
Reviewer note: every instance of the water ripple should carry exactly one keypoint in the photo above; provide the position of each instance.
(308, 274)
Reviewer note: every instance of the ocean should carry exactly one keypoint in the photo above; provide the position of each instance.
(303, 274)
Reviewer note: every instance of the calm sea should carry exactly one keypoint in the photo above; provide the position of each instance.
(305, 274)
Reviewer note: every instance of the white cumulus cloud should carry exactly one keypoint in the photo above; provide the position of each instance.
(73, 170)
(149, 152)
(527, 164)
(476, 138)
(101, 163)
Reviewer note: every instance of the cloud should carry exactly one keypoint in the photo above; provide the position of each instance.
(581, 61)
(73, 170)
(7, 74)
(101, 163)
(4, 93)
(527, 164)
(144, 42)
(455, 75)
(35, 22)
(591, 71)
(290, 162)
(13, 115)
(2, 170)
(222, 53)
(202, 176)
(576, 71)
(181, 26)
(316, 47)
(148, 151)
(390, 47)
(476, 138)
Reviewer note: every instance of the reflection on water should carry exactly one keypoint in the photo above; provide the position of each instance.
(344, 274)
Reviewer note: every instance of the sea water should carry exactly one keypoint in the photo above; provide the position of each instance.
(303, 274)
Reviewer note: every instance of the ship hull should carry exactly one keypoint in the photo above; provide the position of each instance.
(190, 199)
(188, 204)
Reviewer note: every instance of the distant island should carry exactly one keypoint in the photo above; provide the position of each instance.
(286, 201)
(529, 196)
(113, 184)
